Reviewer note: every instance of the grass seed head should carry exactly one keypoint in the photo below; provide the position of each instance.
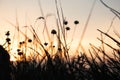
(53, 31)
(45, 43)
(18, 50)
(8, 39)
(7, 33)
(20, 43)
(29, 40)
(53, 46)
(20, 53)
(23, 42)
(59, 49)
(65, 22)
(76, 22)
(67, 28)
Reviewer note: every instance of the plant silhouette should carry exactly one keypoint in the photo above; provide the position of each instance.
(4, 64)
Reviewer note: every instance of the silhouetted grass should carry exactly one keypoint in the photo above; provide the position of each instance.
(52, 62)
(80, 67)
(58, 67)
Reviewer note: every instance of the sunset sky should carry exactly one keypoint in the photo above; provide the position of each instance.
(28, 11)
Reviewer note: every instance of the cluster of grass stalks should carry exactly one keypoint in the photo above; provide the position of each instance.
(47, 61)
(80, 67)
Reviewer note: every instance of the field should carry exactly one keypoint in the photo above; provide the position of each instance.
(51, 60)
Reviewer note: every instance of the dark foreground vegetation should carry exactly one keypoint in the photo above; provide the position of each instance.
(56, 67)
(80, 68)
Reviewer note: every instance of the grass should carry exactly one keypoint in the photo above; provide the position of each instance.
(52, 62)
(79, 68)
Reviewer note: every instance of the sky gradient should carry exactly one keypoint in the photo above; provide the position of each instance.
(28, 11)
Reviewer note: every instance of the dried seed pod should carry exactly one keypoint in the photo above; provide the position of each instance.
(76, 22)
(67, 28)
(53, 31)
(20, 53)
(65, 22)
(45, 43)
(8, 39)
(7, 33)
(29, 40)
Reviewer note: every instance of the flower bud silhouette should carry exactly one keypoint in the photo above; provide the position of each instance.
(76, 22)
(53, 31)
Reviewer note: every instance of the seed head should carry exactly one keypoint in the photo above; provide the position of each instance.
(67, 28)
(45, 43)
(23, 42)
(29, 40)
(65, 22)
(8, 39)
(53, 31)
(76, 22)
(7, 33)
(18, 50)
(53, 46)
(9, 43)
(20, 53)
(59, 49)
(20, 43)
